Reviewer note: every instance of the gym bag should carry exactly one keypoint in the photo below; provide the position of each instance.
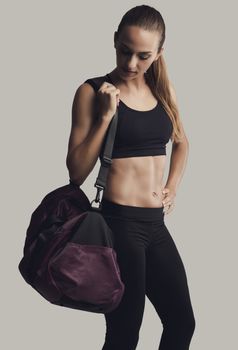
(68, 255)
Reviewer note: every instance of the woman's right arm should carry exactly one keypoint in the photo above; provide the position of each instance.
(87, 134)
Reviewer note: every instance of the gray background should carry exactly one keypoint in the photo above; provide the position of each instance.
(48, 49)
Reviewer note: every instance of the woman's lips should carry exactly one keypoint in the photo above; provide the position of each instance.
(129, 72)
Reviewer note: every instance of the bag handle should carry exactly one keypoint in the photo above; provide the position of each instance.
(106, 159)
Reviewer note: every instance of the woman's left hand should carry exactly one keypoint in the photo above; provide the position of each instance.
(168, 200)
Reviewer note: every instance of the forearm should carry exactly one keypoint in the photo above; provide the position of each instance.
(178, 161)
(84, 157)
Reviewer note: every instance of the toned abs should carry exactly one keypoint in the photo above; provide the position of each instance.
(133, 181)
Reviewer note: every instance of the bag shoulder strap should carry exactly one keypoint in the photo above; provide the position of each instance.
(108, 143)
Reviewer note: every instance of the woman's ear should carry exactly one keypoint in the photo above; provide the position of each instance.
(159, 54)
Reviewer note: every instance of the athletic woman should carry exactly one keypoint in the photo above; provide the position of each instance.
(135, 200)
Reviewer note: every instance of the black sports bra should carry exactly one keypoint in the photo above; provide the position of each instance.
(140, 133)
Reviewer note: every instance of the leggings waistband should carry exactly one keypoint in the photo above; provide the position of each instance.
(129, 211)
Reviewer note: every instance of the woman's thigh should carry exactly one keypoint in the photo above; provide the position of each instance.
(166, 280)
(129, 246)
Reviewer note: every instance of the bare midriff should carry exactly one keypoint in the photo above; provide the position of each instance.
(136, 181)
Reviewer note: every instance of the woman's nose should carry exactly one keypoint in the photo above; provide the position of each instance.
(132, 63)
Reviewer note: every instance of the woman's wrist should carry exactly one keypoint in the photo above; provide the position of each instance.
(171, 187)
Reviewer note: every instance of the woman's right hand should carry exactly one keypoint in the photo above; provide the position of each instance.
(108, 100)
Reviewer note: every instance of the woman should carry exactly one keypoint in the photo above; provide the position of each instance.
(135, 201)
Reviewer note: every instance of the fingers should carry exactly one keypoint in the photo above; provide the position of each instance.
(168, 203)
(107, 86)
(168, 209)
(110, 88)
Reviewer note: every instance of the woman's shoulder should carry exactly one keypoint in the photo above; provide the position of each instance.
(95, 82)
(89, 87)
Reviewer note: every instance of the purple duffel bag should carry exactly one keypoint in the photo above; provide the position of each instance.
(68, 255)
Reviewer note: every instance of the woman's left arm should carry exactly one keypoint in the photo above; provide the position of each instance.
(178, 161)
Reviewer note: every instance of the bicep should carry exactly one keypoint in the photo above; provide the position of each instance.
(83, 116)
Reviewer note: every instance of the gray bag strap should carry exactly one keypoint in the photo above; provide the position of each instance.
(106, 159)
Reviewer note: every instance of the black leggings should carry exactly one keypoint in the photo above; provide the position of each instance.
(150, 265)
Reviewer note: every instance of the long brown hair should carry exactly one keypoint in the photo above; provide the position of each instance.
(149, 18)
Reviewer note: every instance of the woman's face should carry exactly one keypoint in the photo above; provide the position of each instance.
(136, 50)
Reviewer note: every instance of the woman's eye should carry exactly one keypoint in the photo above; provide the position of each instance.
(144, 58)
(124, 52)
